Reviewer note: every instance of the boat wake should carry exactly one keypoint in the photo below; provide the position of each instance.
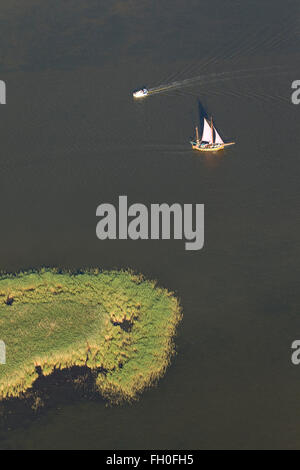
(215, 78)
(263, 40)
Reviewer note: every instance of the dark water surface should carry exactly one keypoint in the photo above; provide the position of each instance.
(72, 138)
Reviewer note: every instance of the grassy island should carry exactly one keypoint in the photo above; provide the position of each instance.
(116, 323)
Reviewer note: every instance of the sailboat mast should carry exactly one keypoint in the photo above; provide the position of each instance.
(212, 130)
(197, 135)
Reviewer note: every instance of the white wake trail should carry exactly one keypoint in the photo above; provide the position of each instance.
(213, 77)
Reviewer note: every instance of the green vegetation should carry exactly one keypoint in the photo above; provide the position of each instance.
(116, 323)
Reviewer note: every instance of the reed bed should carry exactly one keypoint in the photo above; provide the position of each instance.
(117, 323)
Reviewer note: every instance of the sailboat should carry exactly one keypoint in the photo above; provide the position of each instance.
(211, 140)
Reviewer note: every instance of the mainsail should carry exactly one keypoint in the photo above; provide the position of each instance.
(218, 139)
(210, 141)
(206, 135)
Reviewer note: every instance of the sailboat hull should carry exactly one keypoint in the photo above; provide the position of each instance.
(215, 148)
(210, 148)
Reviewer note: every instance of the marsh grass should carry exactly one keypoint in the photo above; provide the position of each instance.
(115, 323)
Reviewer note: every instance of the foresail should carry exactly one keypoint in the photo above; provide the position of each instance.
(218, 139)
(206, 135)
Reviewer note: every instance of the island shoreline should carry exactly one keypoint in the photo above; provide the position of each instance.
(128, 342)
